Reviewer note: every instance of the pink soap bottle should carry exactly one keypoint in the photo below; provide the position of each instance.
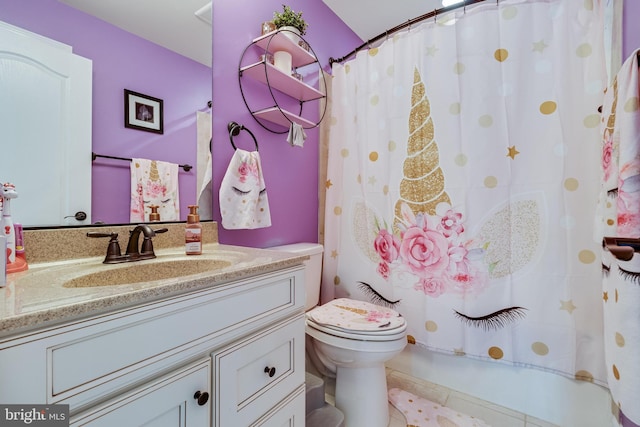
(193, 232)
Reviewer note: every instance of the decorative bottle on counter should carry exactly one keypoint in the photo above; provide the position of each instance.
(193, 232)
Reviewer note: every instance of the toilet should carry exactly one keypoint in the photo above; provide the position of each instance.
(351, 339)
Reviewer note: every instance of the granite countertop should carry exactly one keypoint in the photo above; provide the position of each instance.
(38, 297)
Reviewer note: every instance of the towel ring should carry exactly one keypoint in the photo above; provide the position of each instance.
(234, 130)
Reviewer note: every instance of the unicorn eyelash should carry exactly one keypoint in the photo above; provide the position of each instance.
(375, 297)
(606, 270)
(613, 193)
(493, 321)
(631, 276)
(264, 190)
(240, 192)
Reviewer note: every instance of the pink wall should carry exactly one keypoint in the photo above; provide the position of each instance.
(122, 60)
(290, 173)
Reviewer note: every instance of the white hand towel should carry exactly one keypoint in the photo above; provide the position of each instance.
(296, 135)
(154, 183)
(204, 168)
(243, 195)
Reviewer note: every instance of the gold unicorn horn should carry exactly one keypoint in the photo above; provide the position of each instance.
(422, 186)
(153, 172)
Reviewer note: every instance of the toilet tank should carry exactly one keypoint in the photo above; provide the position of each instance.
(313, 268)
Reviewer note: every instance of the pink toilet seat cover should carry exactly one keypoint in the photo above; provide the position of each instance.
(353, 315)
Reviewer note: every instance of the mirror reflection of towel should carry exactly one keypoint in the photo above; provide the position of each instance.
(204, 166)
(243, 195)
(154, 183)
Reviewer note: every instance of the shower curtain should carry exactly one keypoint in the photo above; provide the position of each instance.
(463, 174)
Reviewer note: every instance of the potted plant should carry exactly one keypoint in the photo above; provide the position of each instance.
(290, 20)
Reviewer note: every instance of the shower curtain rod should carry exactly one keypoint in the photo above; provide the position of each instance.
(433, 14)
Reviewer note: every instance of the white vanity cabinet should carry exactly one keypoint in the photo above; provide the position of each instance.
(229, 355)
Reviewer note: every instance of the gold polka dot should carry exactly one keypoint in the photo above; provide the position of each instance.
(610, 222)
(344, 152)
(501, 55)
(588, 4)
(411, 339)
(431, 326)
(359, 179)
(631, 105)
(571, 184)
(392, 146)
(548, 107)
(390, 70)
(616, 373)
(485, 121)
(591, 121)
(496, 353)
(385, 190)
(454, 108)
(337, 210)
(619, 339)
(458, 68)
(347, 68)
(583, 375)
(461, 159)
(616, 295)
(540, 348)
(373, 156)
(336, 280)
(491, 182)
(586, 256)
(584, 50)
(333, 121)
(373, 52)
(509, 12)
(374, 100)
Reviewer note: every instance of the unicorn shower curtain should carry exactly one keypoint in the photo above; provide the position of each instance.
(463, 174)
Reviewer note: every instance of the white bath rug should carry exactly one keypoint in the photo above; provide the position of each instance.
(421, 412)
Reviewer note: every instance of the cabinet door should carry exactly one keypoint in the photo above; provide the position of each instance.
(289, 413)
(255, 375)
(169, 401)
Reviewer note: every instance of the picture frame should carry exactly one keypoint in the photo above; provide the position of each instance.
(143, 112)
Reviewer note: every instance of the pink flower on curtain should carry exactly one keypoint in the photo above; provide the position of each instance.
(424, 251)
(387, 246)
(628, 203)
(430, 248)
(607, 154)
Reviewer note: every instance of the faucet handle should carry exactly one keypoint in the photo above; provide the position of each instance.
(161, 230)
(113, 250)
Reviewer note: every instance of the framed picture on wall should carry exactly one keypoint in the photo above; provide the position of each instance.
(142, 112)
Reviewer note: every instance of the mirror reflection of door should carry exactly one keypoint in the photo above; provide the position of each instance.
(45, 95)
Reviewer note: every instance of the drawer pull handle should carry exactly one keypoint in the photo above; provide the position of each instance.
(202, 398)
(271, 371)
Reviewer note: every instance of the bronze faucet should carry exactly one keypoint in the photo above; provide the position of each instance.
(134, 251)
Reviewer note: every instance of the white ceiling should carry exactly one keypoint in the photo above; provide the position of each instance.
(169, 23)
(174, 24)
(368, 18)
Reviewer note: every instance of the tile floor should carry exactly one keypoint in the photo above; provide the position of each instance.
(494, 415)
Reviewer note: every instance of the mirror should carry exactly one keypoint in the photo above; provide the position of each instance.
(129, 49)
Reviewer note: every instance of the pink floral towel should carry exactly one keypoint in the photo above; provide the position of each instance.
(421, 412)
(154, 183)
(243, 195)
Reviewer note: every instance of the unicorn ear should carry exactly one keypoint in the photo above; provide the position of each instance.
(364, 229)
(511, 236)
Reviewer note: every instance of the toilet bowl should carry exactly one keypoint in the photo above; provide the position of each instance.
(351, 339)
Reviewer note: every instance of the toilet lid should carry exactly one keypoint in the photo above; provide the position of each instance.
(357, 317)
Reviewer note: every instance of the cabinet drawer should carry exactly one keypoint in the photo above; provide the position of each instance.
(139, 342)
(290, 412)
(254, 375)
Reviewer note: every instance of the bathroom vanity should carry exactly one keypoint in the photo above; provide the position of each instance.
(216, 348)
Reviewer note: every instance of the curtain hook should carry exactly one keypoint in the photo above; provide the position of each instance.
(435, 16)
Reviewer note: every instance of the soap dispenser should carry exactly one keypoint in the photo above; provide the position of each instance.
(154, 215)
(193, 232)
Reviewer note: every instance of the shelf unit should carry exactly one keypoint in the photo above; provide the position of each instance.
(275, 79)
